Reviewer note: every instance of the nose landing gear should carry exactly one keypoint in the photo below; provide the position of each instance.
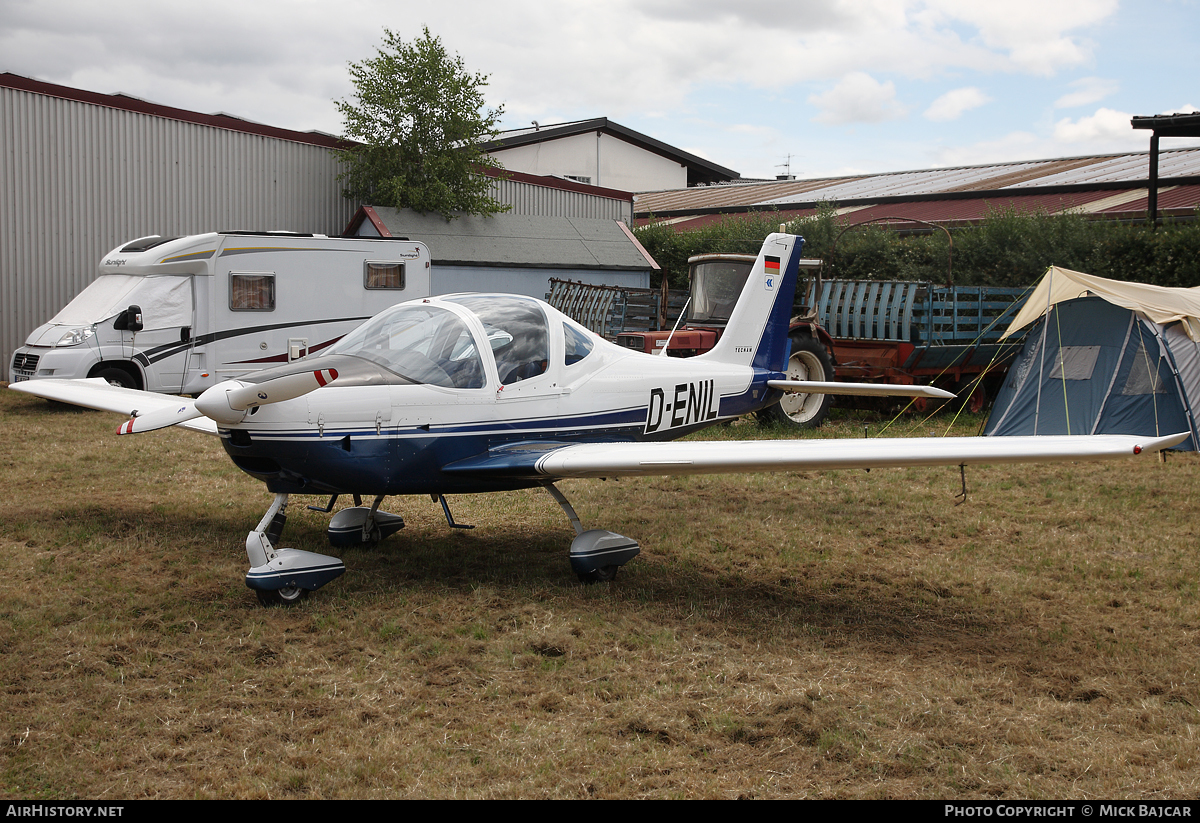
(284, 576)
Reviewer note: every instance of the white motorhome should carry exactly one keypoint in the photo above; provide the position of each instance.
(181, 314)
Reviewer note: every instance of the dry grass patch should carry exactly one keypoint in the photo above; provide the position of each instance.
(798, 635)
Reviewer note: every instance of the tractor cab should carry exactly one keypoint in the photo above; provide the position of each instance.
(716, 280)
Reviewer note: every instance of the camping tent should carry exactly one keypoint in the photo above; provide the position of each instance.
(1106, 357)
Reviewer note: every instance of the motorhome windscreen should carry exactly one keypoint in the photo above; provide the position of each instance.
(166, 301)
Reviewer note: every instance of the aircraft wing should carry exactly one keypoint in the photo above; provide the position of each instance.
(561, 460)
(96, 393)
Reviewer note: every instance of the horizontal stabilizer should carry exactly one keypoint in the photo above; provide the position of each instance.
(860, 389)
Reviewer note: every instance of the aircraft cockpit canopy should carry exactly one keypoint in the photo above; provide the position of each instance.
(419, 342)
(427, 343)
(517, 333)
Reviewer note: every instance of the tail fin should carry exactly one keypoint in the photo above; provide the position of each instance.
(757, 334)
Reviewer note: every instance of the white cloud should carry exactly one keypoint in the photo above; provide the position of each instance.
(693, 66)
(1109, 131)
(587, 58)
(803, 15)
(1087, 90)
(857, 98)
(1035, 34)
(1106, 130)
(952, 104)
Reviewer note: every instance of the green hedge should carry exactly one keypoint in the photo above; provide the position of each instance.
(1008, 248)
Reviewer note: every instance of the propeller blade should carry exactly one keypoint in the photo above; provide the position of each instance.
(160, 419)
(280, 389)
(227, 402)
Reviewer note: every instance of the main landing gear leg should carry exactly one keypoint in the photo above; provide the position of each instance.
(362, 526)
(281, 576)
(595, 554)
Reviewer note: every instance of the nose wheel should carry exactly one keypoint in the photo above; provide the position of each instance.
(284, 576)
(281, 597)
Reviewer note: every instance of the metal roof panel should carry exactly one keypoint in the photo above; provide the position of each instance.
(1131, 167)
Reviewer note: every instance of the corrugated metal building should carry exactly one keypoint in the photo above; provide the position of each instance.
(1110, 186)
(555, 197)
(81, 173)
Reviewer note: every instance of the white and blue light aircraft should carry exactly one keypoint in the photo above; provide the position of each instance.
(473, 393)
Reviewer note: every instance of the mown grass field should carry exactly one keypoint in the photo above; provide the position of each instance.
(838, 634)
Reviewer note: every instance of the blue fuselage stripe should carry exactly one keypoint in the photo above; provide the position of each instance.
(410, 459)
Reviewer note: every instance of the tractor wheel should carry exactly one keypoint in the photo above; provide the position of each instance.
(809, 361)
(972, 394)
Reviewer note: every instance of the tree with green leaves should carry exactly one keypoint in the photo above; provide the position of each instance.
(417, 117)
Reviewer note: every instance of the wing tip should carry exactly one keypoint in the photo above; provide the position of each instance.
(1160, 443)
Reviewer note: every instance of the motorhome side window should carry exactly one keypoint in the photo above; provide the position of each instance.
(384, 276)
(252, 292)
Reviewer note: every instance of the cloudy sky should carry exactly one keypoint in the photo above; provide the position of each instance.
(831, 86)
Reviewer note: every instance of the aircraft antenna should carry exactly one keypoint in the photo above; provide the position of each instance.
(678, 320)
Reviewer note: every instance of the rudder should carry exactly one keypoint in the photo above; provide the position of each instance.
(757, 333)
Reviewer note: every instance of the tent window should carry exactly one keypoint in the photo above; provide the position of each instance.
(1143, 374)
(1075, 363)
(1020, 369)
